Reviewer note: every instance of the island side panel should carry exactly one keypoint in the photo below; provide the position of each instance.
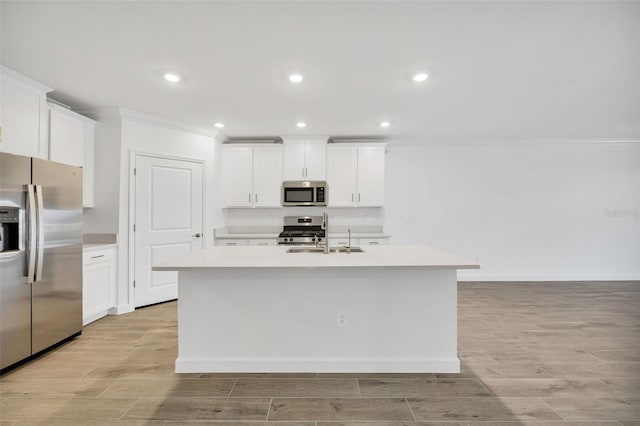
(286, 320)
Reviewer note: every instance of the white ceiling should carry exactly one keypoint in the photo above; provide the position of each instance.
(507, 70)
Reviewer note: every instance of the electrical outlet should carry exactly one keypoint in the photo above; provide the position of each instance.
(342, 320)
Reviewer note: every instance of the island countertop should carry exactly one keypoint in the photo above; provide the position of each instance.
(385, 256)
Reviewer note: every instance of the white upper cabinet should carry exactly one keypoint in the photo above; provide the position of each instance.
(71, 141)
(237, 176)
(23, 115)
(371, 176)
(267, 176)
(355, 175)
(305, 159)
(252, 175)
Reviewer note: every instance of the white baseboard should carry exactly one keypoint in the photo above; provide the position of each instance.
(121, 309)
(317, 365)
(88, 319)
(547, 277)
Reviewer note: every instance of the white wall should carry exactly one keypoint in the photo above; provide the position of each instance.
(103, 217)
(526, 210)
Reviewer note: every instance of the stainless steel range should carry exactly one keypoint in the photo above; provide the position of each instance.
(302, 230)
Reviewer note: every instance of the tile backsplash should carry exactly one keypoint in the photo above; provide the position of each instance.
(274, 217)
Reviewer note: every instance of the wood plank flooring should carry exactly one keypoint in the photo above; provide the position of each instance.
(547, 354)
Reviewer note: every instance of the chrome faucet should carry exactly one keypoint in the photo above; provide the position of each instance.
(348, 247)
(325, 226)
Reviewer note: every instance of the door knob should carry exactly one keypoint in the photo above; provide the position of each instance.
(196, 235)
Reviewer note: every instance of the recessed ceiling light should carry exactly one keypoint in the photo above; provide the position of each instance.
(385, 124)
(301, 124)
(420, 77)
(295, 78)
(174, 78)
(219, 125)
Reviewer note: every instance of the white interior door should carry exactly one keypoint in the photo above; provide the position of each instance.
(168, 222)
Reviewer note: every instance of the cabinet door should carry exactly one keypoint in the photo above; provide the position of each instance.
(267, 176)
(294, 151)
(316, 160)
(237, 176)
(71, 141)
(24, 118)
(371, 176)
(341, 175)
(66, 138)
(98, 284)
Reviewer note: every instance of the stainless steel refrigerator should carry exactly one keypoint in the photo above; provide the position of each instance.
(41, 256)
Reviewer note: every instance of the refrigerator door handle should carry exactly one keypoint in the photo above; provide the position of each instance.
(40, 233)
(31, 233)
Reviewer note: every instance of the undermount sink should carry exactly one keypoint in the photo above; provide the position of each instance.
(321, 250)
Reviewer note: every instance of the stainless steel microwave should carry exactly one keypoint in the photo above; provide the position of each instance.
(304, 193)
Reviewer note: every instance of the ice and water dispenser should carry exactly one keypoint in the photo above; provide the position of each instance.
(9, 228)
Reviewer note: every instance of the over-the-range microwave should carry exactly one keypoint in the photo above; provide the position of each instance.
(304, 193)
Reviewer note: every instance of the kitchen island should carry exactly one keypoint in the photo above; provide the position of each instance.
(260, 309)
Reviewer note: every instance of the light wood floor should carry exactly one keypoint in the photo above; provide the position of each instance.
(532, 353)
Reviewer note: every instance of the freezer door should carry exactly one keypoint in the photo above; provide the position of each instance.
(57, 289)
(15, 292)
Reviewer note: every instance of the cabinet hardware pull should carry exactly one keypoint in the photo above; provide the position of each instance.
(352, 197)
(256, 198)
(249, 197)
(232, 244)
(303, 172)
(358, 197)
(196, 235)
(95, 257)
(373, 243)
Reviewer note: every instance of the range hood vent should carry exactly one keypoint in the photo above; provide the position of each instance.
(357, 139)
(249, 139)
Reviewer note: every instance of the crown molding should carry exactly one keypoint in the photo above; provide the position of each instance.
(24, 80)
(64, 109)
(513, 141)
(118, 113)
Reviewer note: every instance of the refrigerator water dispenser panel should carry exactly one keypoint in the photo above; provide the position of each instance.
(9, 229)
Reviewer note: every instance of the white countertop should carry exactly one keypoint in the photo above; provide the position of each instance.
(97, 246)
(273, 236)
(277, 257)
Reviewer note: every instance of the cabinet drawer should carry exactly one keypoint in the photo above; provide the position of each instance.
(373, 241)
(232, 242)
(95, 256)
(262, 242)
(341, 242)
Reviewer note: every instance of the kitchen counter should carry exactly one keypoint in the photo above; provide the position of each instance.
(277, 257)
(391, 309)
(97, 246)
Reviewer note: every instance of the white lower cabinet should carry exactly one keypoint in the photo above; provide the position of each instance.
(98, 283)
(262, 242)
(232, 242)
(357, 242)
(246, 242)
(373, 241)
(343, 242)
